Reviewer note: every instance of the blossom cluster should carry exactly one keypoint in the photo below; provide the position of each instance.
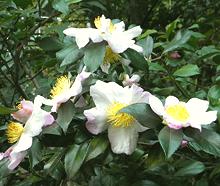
(109, 98)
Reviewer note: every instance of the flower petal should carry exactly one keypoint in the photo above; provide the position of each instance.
(171, 100)
(119, 27)
(23, 143)
(15, 159)
(123, 140)
(202, 118)
(133, 32)
(96, 120)
(156, 105)
(105, 94)
(197, 105)
(138, 95)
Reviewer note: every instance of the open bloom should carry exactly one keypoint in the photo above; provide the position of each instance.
(117, 38)
(23, 135)
(25, 109)
(122, 128)
(177, 114)
(64, 90)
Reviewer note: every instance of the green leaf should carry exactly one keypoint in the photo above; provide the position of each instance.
(137, 60)
(6, 110)
(191, 167)
(145, 183)
(179, 40)
(207, 51)
(143, 114)
(187, 70)
(97, 146)
(170, 140)
(206, 140)
(53, 129)
(35, 152)
(65, 115)
(49, 44)
(74, 158)
(94, 56)
(61, 6)
(147, 44)
(54, 166)
(214, 95)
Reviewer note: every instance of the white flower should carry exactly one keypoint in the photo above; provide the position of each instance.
(117, 38)
(122, 128)
(33, 127)
(177, 114)
(130, 81)
(64, 90)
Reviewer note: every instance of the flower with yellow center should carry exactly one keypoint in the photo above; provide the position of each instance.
(177, 114)
(14, 131)
(63, 90)
(109, 99)
(115, 35)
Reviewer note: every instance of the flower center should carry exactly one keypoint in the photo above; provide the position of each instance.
(19, 106)
(110, 56)
(120, 119)
(178, 112)
(98, 24)
(62, 84)
(14, 131)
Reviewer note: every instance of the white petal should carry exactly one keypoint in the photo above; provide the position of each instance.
(105, 94)
(138, 95)
(71, 31)
(197, 105)
(171, 100)
(136, 48)
(96, 120)
(156, 105)
(123, 140)
(95, 36)
(202, 118)
(15, 159)
(23, 143)
(119, 27)
(133, 32)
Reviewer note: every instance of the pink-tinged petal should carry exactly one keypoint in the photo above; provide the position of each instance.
(175, 126)
(2, 155)
(49, 119)
(123, 139)
(138, 95)
(130, 81)
(25, 112)
(23, 143)
(171, 100)
(184, 143)
(96, 120)
(197, 105)
(156, 105)
(15, 159)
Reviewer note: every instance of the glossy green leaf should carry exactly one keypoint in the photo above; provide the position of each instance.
(61, 6)
(35, 153)
(49, 44)
(191, 167)
(147, 44)
(137, 60)
(96, 147)
(206, 140)
(170, 140)
(74, 159)
(65, 115)
(143, 114)
(6, 110)
(94, 56)
(187, 70)
(214, 95)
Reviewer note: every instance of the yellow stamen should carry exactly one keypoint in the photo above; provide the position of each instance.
(178, 112)
(98, 24)
(110, 56)
(120, 119)
(14, 131)
(62, 84)
(19, 106)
